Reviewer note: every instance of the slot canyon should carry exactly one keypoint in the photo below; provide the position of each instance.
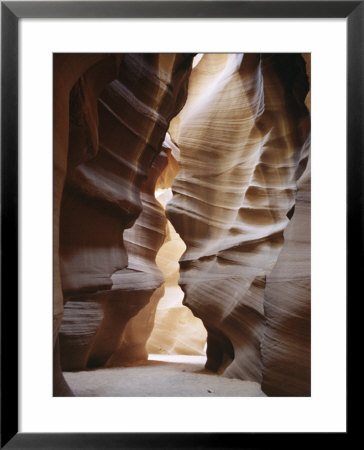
(181, 225)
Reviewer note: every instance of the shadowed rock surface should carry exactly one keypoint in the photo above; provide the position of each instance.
(119, 111)
(286, 347)
(241, 204)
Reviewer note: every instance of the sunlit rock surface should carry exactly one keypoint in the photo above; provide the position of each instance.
(243, 135)
(119, 111)
(176, 330)
(241, 205)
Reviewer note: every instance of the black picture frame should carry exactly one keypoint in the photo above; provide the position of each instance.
(11, 12)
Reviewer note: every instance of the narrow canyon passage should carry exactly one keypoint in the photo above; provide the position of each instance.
(182, 225)
(176, 347)
(176, 330)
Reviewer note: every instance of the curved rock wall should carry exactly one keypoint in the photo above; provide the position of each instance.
(163, 325)
(242, 135)
(286, 346)
(119, 111)
(68, 68)
(142, 275)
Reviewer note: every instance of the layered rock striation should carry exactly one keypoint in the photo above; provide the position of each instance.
(142, 277)
(119, 110)
(286, 346)
(163, 325)
(244, 141)
(241, 204)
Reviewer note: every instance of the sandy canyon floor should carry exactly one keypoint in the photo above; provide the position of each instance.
(160, 376)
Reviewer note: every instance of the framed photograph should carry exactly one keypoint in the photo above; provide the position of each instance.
(167, 280)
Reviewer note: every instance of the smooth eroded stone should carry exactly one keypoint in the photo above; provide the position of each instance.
(80, 323)
(119, 113)
(244, 141)
(142, 276)
(286, 346)
(68, 69)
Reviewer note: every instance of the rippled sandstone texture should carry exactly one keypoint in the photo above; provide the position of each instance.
(244, 141)
(163, 325)
(142, 242)
(111, 113)
(286, 346)
(287, 306)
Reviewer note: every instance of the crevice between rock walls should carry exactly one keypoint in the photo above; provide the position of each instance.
(241, 204)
